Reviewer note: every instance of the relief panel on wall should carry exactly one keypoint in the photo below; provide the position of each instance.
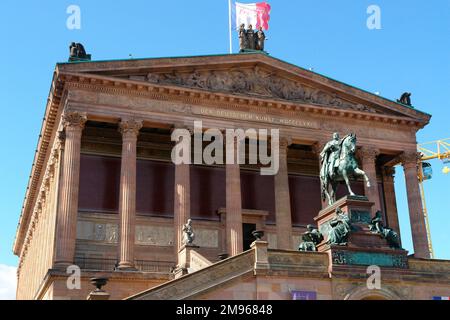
(98, 231)
(272, 240)
(206, 238)
(154, 235)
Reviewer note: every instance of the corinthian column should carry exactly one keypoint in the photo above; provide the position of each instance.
(416, 217)
(182, 199)
(73, 123)
(233, 203)
(282, 200)
(389, 199)
(368, 162)
(127, 201)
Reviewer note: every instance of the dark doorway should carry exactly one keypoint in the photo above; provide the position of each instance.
(248, 238)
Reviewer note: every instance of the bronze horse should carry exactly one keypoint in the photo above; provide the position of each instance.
(347, 167)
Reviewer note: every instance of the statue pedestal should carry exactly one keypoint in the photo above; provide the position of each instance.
(184, 259)
(363, 247)
(358, 209)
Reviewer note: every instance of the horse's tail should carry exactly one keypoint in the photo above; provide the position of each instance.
(323, 185)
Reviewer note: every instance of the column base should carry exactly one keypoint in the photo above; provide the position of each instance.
(179, 272)
(126, 266)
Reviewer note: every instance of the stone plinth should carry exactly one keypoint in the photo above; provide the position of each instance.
(184, 260)
(358, 209)
(98, 295)
(261, 256)
(363, 247)
(351, 256)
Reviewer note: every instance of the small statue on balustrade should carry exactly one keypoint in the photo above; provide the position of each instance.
(188, 233)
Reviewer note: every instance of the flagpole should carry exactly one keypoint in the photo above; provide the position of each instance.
(229, 26)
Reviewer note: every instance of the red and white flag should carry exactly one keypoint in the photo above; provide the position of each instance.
(255, 14)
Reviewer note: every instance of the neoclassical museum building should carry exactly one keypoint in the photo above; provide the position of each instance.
(105, 198)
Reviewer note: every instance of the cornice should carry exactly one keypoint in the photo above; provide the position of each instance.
(41, 156)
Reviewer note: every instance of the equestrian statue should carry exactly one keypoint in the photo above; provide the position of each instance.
(337, 164)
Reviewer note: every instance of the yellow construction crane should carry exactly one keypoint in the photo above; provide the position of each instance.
(439, 149)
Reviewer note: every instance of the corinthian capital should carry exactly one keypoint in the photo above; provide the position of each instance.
(368, 153)
(74, 119)
(319, 145)
(389, 172)
(410, 159)
(285, 142)
(130, 126)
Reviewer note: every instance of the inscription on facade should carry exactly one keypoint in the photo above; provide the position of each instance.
(239, 115)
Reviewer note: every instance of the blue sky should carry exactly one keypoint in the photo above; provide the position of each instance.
(409, 53)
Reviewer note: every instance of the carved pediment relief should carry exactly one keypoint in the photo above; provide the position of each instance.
(257, 82)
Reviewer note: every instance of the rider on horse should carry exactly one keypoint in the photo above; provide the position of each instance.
(330, 155)
(338, 164)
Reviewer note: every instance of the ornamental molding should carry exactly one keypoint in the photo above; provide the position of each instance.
(41, 201)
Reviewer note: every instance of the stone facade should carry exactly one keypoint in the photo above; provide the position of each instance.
(121, 114)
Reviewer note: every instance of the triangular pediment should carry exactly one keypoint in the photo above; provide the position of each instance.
(251, 75)
(258, 82)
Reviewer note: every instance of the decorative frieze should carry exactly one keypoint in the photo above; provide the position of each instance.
(345, 257)
(258, 82)
(42, 195)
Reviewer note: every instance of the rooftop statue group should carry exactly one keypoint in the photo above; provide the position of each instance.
(251, 39)
(405, 98)
(77, 52)
(337, 164)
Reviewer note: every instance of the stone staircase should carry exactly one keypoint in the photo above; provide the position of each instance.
(202, 280)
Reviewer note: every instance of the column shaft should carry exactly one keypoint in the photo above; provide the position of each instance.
(282, 200)
(68, 204)
(416, 217)
(368, 162)
(233, 204)
(182, 205)
(390, 200)
(127, 200)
